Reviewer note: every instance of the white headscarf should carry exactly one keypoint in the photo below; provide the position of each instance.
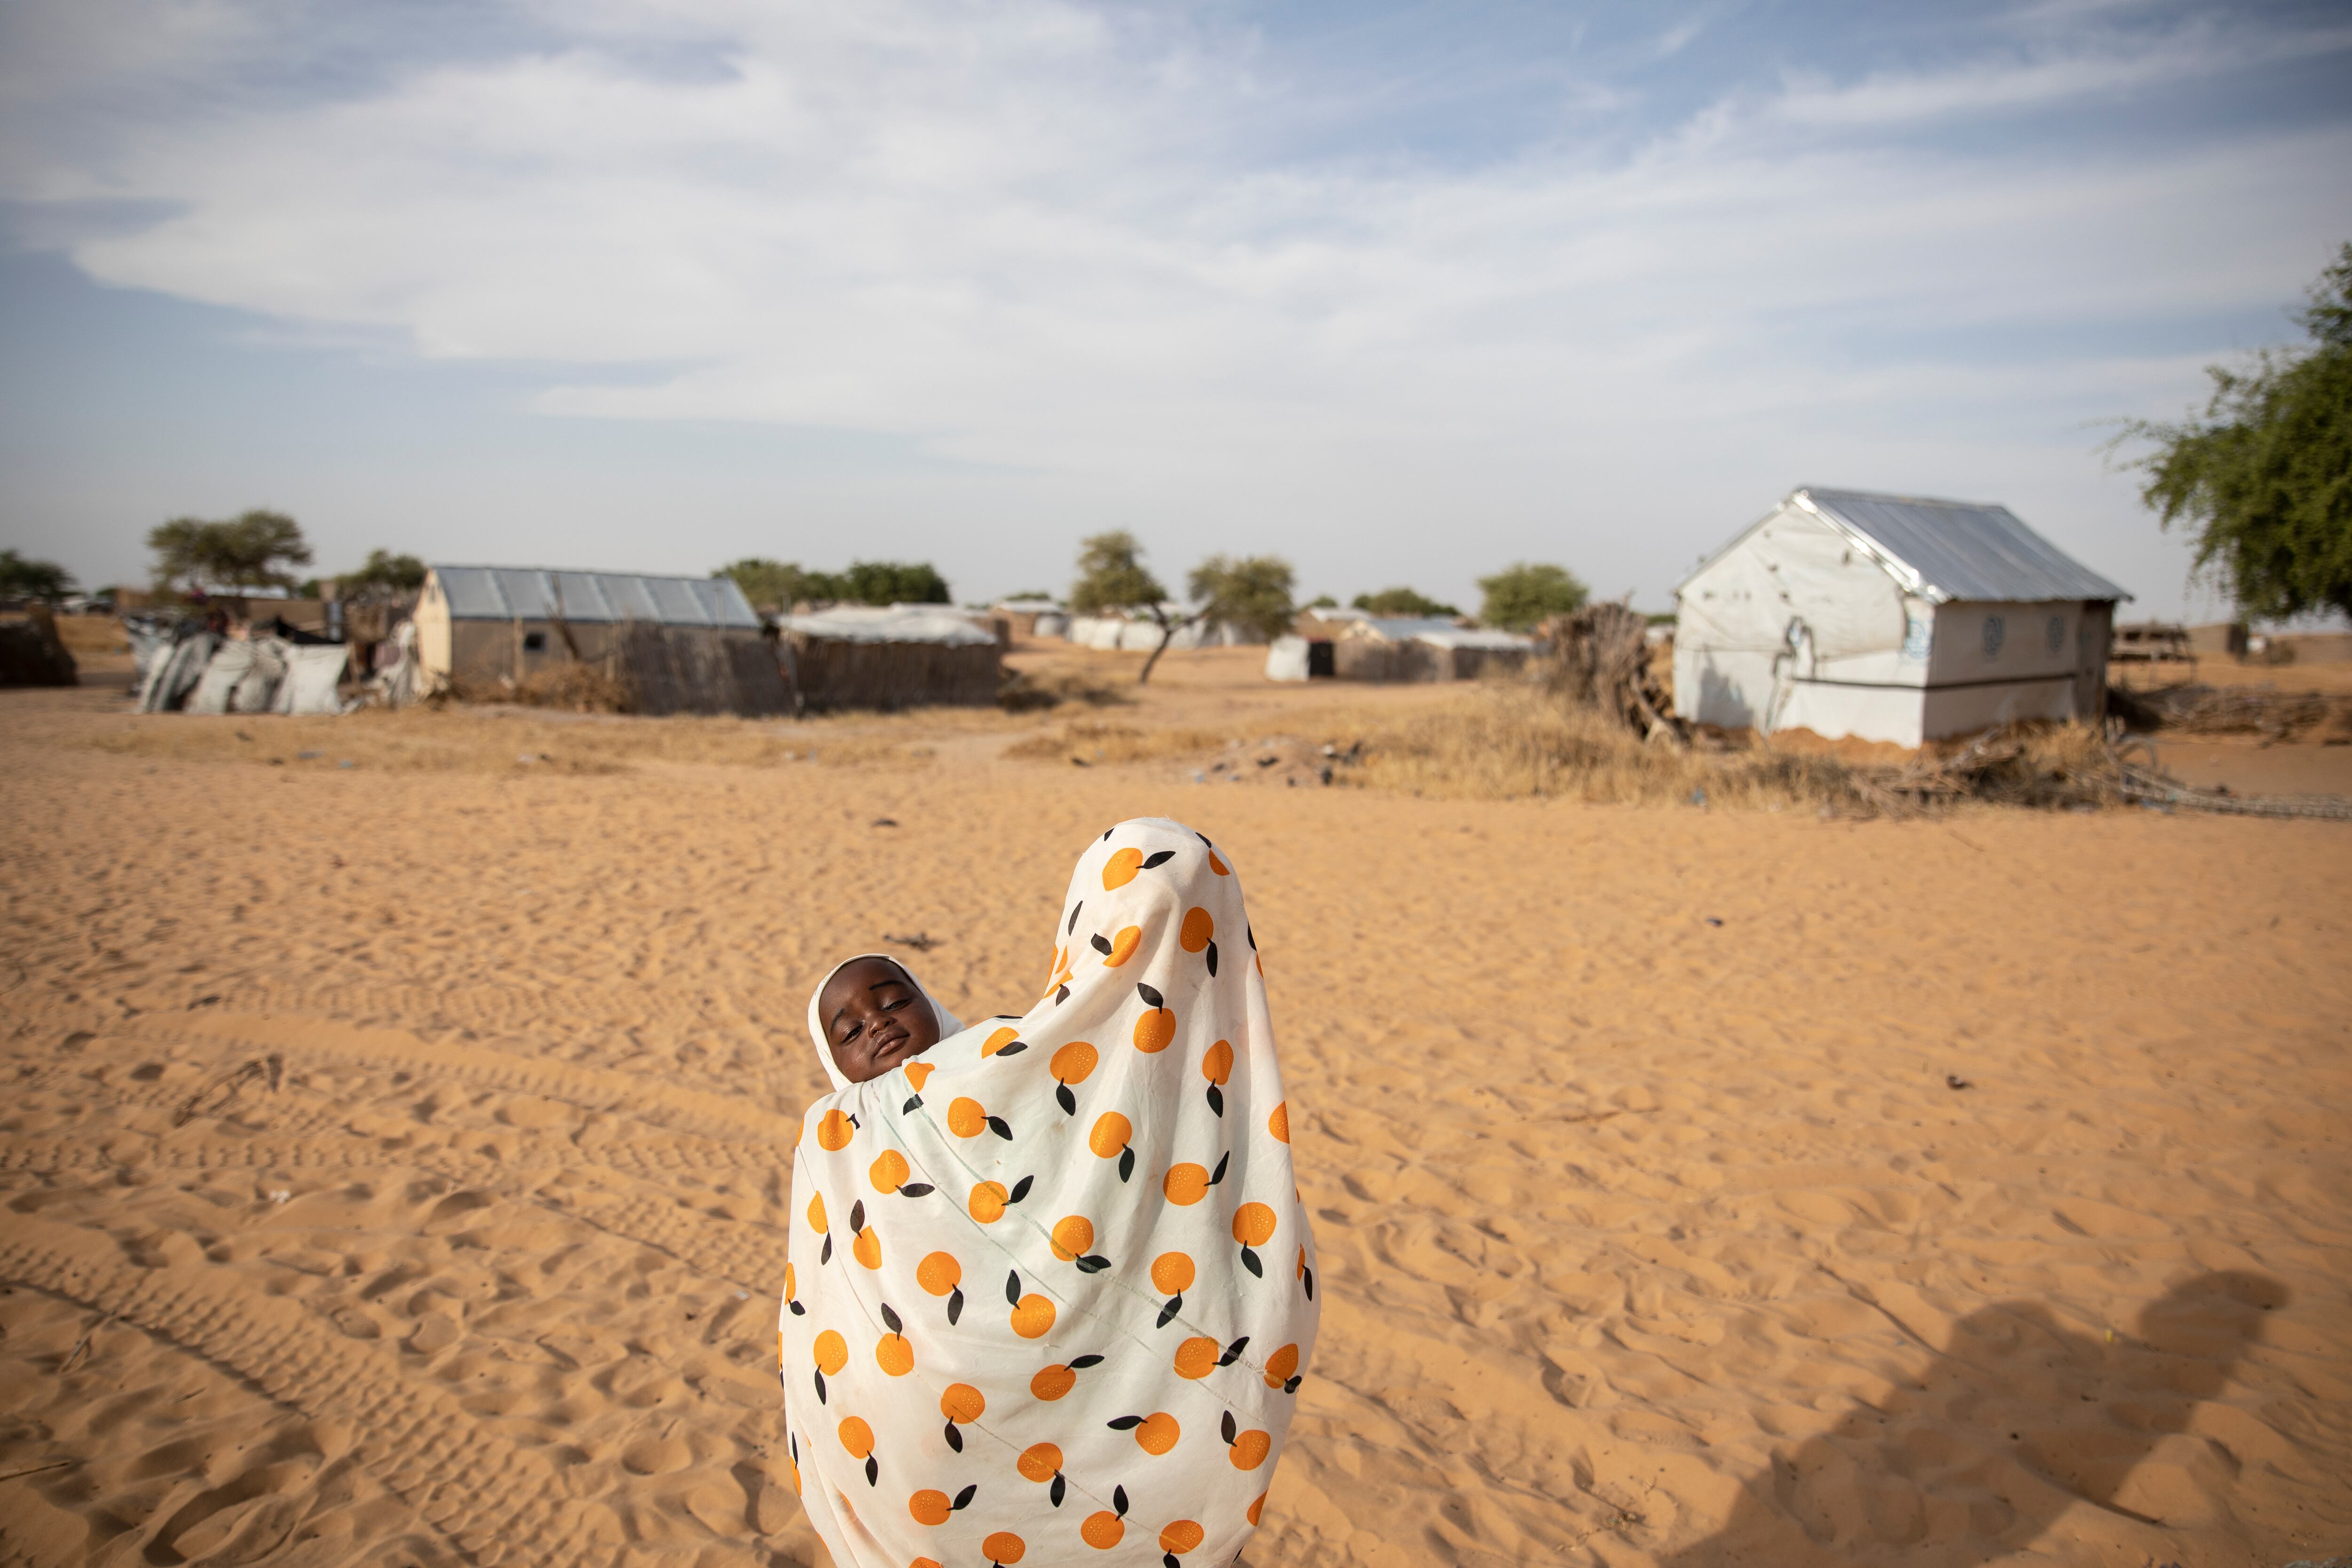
(948, 1022)
(1050, 1290)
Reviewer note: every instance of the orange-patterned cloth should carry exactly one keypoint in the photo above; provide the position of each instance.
(1050, 1289)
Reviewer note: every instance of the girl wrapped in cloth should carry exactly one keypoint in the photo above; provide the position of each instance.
(1050, 1290)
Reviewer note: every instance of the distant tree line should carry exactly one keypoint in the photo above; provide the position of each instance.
(777, 585)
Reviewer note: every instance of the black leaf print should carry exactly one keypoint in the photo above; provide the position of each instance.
(1158, 858)
(1228, 1427)
(997, 1125)
(1061, 995)
(1233, 1351)
(917, 1189)
(795, 1443)
(1251, 932)
(1065, 1100)
(783, 1383)
(1249, 1261)
(955, 1306)
(1222, 1161)
(1015, 1048)
(1108, 833)
(798, 1310)
(1168, 1560)
(955, 1438)
(873, 1471)
(1012, 1287)
(890, 1318)
(963, 1497)
(1308, 1275)
(1080, 1363)
(913, 1103)
(1092, 1264)
(826, 1256)
(1073, 926)
(820, 1385)
(1216, 1099)
(1118, 1501)
(1150, 997)
(858, 1217)
(854, 1121)
(1168, 1313)
(1292, 1386)
(1057, 1489)
(1126, 1163)
(1124, 1423)
(1099, 943)
(1020, 1190)
(1213, 960)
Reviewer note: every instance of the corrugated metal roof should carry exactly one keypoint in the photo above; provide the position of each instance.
(1956, 549)
(535, 593)
(1404, 628)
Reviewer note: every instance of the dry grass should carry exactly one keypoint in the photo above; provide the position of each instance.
(503, 740)
(1093, 743)
(1510, 744)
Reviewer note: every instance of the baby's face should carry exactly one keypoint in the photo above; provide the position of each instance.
(875, 1019)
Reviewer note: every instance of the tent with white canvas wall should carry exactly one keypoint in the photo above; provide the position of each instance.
(1890, 618)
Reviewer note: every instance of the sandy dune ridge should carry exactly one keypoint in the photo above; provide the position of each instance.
(1647, 1239)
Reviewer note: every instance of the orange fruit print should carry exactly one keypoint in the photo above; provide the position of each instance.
(1073, 1237)
(1153, 1031)
(1181, 1537)
(967, 1118)
(1253, 1225)
(1102, 1530)
(988, 1201)
(1074, 1062)
(938, 1273)
(1197, 929)
(893, 1356)
(1040, 1461)
(1032, 1317)
(1051, 1383)
(1120, 869)
(834, 1132)
(1196, 1357)
(1185, 1185)
(1172, 1273)
(1109, 1139)
(888, 1172)
(1157, 1433)
(858, 1437)
(998, 1040)
(1003, 1548)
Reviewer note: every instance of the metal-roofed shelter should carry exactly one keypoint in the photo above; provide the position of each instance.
(1890, 618)
(680, 644)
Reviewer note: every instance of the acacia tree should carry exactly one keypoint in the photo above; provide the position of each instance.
(249, 550)
(1254, 591)
(1523, 596)
(2265, 476)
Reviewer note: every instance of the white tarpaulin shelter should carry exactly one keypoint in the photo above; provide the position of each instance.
(1890, 618)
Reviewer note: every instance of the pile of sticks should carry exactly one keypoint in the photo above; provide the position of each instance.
(2261, 710)
(1599, 657)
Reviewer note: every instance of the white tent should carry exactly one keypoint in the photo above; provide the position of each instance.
(1890, 618)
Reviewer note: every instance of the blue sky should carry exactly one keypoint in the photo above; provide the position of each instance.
(1402, 292)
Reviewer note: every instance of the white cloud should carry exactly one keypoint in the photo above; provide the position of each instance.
(1034, 240)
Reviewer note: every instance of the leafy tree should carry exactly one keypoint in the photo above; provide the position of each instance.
(382, 576)
(2266, 476)
(247, 550)
(1322, 601)
(1521, 597)
(23, 579)
(1402, 601)
(1254, 591)
(1027, 595)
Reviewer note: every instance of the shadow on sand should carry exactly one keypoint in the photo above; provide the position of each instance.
(1975, 1454)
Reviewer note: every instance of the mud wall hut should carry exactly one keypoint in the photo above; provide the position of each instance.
(675, 644)
(909, 656)
(1403, 648)
(1890, 618)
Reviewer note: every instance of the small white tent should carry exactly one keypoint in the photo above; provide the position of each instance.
(1890, 618)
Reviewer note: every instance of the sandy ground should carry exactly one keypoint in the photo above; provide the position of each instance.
(394, 1160)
